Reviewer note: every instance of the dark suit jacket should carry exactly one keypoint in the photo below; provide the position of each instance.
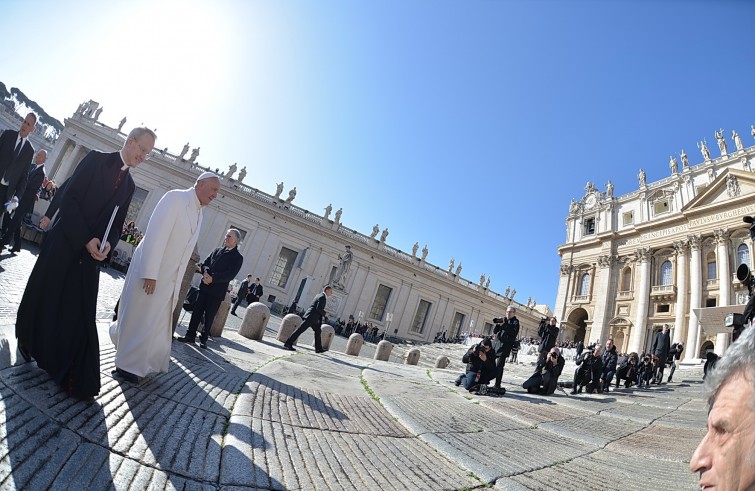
(223, 265)
(316, 311)
(662, 345)
(26, 202)
(255, 290)
(16, 171)
(243, 289)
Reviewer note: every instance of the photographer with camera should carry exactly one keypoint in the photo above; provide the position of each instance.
(505, 333)
(610, 358)
(548, 333)
(627, 371)
(545, 379)
(481, 369)
(589, 370)
(645, 371)
(674, 356)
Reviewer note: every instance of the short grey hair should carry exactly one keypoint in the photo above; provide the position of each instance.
(236, 233)
(739, 359)
(140, 131)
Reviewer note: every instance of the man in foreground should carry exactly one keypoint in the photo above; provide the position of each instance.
(724, 458)
(55, 323)
(143, 333)
(312, 318)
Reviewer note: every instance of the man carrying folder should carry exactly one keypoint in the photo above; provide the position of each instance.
(55, 324)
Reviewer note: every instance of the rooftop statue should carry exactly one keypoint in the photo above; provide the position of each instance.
(673, 165)
(183, 152)
(424, 252)
(194, 155)
(291, 196)
(384, 235)
(737, 140)
(609, 188)
(231, 171)
(451, 265)
(415, 248)
(721, 142)
(685, 160)
(242, 174)
(458, 269)
(279, 189)
(703, 146)
(641, 177)
(338, 215)
(328, 209)
(375, 231)
(120, 125)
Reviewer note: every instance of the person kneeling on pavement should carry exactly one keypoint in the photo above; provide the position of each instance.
(589, 370)
(627, 371)
(545, 379)
(481, 369)
(609, 364)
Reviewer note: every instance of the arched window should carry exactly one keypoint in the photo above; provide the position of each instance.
(711, 260)
(743, 255)
(584, 286)
(626, 279)
(666, 273)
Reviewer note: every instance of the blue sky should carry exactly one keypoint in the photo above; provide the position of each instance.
(467, 126)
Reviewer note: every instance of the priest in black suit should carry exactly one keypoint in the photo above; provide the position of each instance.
(217, 270)
(12, 226)
(241, 294)
(55, 323)
(16, 152)
(255, 292)
(312, 318)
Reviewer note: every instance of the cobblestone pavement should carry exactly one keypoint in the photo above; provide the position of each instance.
(247, 415)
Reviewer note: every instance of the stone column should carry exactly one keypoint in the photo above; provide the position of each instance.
(696, 290)
(65, 169)
(681, 289)
(603, 286)
(724, 283)
(637, 335)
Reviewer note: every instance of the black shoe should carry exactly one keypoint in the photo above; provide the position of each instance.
(203, 344)
(573, 392)
(184, 339)
(24, 352)
(15, 250)
(233, 313)
(127, 376)
(289, 347)
(320, 350)
(458, 380)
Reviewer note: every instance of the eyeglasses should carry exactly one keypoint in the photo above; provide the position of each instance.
(146, 153)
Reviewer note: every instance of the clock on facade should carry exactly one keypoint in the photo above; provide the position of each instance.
(590, 201)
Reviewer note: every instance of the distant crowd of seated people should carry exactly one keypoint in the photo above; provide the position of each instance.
(131, 234)
(369, 332)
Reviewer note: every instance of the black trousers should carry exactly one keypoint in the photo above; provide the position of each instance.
(205, 309)
(315, 325)
(236, 304)
(500, 362)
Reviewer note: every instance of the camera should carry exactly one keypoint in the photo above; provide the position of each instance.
(498, 320)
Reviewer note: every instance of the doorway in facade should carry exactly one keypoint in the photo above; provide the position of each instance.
(706, 348)
(578, 318)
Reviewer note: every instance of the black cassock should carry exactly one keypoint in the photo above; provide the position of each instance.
(56, 320)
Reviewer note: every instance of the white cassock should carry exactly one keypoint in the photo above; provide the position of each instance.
(143, 333)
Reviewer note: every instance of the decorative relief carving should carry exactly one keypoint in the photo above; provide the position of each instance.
(680, 246)
(642, 254)
(732, 186)
(721, 236)
(566, 269)
(695, 241)
(606, 261)
(745, 164)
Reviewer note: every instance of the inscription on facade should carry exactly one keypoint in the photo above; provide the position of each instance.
(724, 215)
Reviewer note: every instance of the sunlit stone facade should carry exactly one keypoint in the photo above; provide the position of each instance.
(634, 262)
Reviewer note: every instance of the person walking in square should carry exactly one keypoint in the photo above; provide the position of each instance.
(241, 294)
(312, 318)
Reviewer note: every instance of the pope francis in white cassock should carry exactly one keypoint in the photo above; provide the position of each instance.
(143, 332)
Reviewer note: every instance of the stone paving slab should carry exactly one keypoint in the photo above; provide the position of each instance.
(275, 456)
(685, 418)
(594, 429)
(602, 470)
(660, 442)
(531, 410)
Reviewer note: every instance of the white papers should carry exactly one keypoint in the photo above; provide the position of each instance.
(107, 230)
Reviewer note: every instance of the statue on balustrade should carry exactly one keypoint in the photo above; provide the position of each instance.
(183, 152)
(375, 231)
(415, 248)
(120, 125)
(328, 209)
(721, 141)
(97, 113)
(609, 189)
(685, 160)
(242, 174)
(384, 235)
(451, 265)
(641, 177)
(194, 155)
(231, 171)
(737, 140)
(482, 279)
(487, 283)
(424, 252)
(278, 190)
(338, 215)
(513, 292)
(673, 165)
(506, 294)
(291, 196)
(703, 146)
(458, 269)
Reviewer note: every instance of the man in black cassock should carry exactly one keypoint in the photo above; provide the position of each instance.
(55, 323)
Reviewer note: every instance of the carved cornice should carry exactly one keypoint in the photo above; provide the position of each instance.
(695, 241)
(642, 254)
(566, 269)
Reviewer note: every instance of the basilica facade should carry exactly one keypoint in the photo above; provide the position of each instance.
(666, 253)
(295, 252)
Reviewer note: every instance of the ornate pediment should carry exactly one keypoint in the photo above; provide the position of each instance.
(728, 184)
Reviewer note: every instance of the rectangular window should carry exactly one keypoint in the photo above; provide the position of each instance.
(488, 329)
(712, 270)
(282, 267)
(710, 302)
(589, 226)
(628, 218)
(423, 311)
(136, 204)
(458, 324)
(661, 207)
(380, 302)
(663, 308)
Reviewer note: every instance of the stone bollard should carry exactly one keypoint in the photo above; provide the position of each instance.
(354, 344)
(383, 351)
(289, 324)
(327, 334)
(218, 323)
(255, 320)
(411, 357)
(441, 362)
